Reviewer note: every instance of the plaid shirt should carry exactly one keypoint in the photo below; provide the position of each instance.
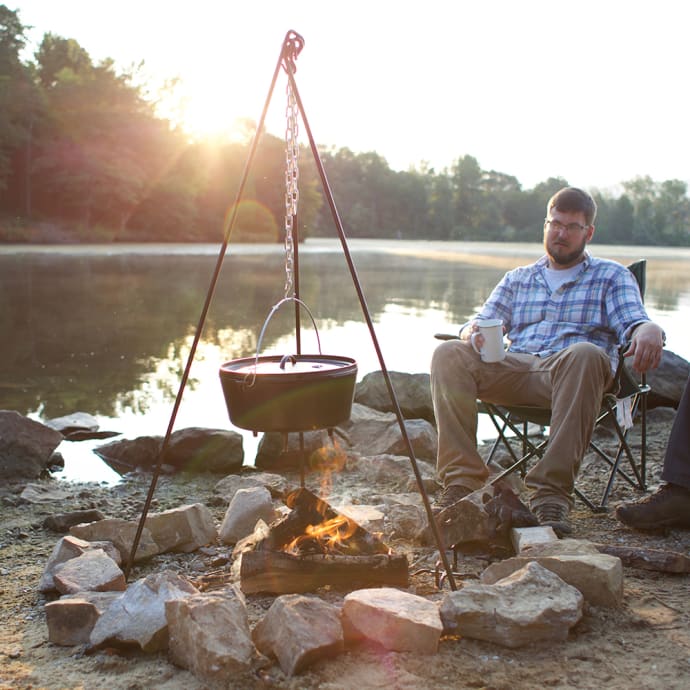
(601, 305)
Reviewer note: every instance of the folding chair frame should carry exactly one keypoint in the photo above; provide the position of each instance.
(517, 419)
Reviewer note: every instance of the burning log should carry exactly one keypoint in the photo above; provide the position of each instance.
(312, 526)
(313, 546)
(277, 572)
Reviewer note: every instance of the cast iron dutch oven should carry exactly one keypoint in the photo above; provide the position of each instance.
(289, 393)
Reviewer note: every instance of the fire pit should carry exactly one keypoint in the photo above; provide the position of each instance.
(313, 546)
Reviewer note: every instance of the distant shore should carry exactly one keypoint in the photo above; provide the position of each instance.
(449, 251)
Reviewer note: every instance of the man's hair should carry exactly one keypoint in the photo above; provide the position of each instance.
(573, 200)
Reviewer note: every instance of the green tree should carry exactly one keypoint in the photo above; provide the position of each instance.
(20, 109)
(467, 178)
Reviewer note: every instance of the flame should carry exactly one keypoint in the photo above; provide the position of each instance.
(328, 536)
(327, 460)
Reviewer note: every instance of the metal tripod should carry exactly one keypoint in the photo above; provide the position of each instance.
(291, 48)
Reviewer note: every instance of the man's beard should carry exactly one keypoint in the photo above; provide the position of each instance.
(558, 255)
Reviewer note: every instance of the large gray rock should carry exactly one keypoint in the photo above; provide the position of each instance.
(45, 492)
(531, 605)
(183, 529)
(196, 449)
(299, 630)
(373, 433)
(209, 635)
(121, 533)
(126, 454)
(598, 576)
(26, 446)
(247, 507)
(138, 616)
(668, 380)
(396, 620)
(412, 391)
(228, 486)
(578, 562)
(72, 547)
(394, 473)
(93, 571)
(71, 618)
(77, 421)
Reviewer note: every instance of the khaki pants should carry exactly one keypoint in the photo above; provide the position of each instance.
(571, 382)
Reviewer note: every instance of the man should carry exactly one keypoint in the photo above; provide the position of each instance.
(669, 506)
(564, 317)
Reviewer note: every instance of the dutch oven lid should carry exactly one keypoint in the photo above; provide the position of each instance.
(290, 364)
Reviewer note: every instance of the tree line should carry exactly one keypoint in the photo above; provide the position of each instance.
(84, 151)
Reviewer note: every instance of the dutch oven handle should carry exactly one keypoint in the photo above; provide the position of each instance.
(287, 358)
(283, 361)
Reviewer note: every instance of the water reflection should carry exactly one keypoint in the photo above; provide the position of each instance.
(107, 333)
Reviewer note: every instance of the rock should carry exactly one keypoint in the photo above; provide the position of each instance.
(72, 547)
(138, 616)
(126, 454)
(394, 472)
(598, 576)
(193, 449)
(531, 605)
(77, 421)
(368, 517)
(92, 571)
(71, 618)
(48, 492)
(228, 486)
(374, 433)
(484, 516)
(412, 391)
(209, 635)
(182, 529)
(26, 446)
(405, 522)
(668, 380)
(196, 449)
(524, 538)
(121, 533)
(272, 455)
(396, 620)
(61, 522)
(299, 630)
(246, 508)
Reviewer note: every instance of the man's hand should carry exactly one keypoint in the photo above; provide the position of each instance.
(471, 332)
(645, 347)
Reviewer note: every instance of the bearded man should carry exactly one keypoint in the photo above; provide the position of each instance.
(564, 317)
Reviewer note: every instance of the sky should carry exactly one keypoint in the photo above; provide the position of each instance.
(592, 91)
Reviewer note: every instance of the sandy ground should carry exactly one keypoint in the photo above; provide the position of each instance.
(644, 644)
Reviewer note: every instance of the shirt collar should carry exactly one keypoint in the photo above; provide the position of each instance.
(543, 262)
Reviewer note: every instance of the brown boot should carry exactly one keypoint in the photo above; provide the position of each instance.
(668, 506)
(450, 496)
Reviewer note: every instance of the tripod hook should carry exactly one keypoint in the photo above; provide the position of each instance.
(292, 47)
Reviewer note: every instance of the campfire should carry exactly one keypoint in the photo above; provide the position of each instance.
(313, 546)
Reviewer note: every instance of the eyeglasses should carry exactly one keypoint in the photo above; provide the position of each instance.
(556, 225)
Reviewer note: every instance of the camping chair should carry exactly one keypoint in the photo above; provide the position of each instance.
(626, 390)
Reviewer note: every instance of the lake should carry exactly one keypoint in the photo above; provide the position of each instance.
(108, 329)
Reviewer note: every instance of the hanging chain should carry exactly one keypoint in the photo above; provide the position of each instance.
(291, 188)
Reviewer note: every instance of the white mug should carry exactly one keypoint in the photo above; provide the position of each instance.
(493, 349)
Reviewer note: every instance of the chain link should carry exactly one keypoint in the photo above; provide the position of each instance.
(291, 188)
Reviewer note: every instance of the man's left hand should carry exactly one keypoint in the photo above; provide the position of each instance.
(646, 347)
